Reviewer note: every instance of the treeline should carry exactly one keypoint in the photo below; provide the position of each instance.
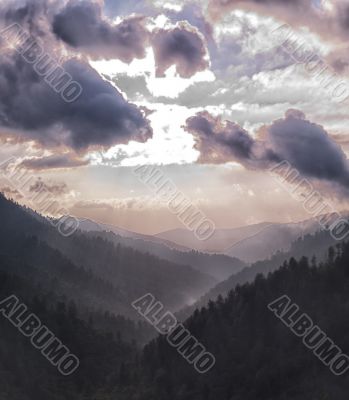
(219, 266)
(257, 356)
(106, 361)
(314, 246)
(111, 276)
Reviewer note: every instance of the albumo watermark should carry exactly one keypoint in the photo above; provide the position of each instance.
(312, 201)
(43, 64)
(40, 336)
(302, 53)
(179, 204)
(176, 334)
(313, 337)
(41, 201)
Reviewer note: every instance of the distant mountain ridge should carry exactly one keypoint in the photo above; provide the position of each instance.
(78, 284)
(255, 242)
(219, 242)
(93, 270)
(250, 243)
(272, 238)
(311, 245)
(88, 225)
(219, 266)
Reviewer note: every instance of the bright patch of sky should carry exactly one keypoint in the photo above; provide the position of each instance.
(169, 145)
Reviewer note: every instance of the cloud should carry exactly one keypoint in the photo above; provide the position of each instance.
(11, 193)
(341, 138)
(194, 14)
(341, 15)
(115, 8)
(219, 141)
(53, 162)
(308, 147)
(118, 204)
(327, 18)
(32, 110)
(305, 145)
(94, 205)
(57, 189)
(285, 8)
(114, 204)
(31, 13)
(182, 46)
(100, 117)
(81, 26)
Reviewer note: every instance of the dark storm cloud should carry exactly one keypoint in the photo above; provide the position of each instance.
(100, 117)
(81, 26)
(181, 46)
(53, 162)
(30, 109)
(305, 145)
(28, 12)
(308, 147)
(219, 141)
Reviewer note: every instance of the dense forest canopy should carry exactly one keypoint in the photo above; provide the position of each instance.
(257, 357)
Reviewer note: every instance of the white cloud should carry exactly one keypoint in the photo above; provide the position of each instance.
(169, 145)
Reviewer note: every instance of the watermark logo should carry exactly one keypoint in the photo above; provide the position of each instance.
(312, 201)
(302, 53)
(33, 52)
(179, 204)
(42, 200)
(176, 334)
(40, 336)
(313, 337)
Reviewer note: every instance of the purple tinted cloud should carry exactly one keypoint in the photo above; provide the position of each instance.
(181, 46)
(100, 117)
(31, 110)
(58, 161)
(305, 145)
(81, 25)
(219, 141)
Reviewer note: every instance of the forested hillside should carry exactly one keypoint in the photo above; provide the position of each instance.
(219, 266)
(314, 246)
(92, 270)
(25, 374)
(64, 281)
(257, 356)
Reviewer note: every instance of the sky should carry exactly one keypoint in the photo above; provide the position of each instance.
(213, 93)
